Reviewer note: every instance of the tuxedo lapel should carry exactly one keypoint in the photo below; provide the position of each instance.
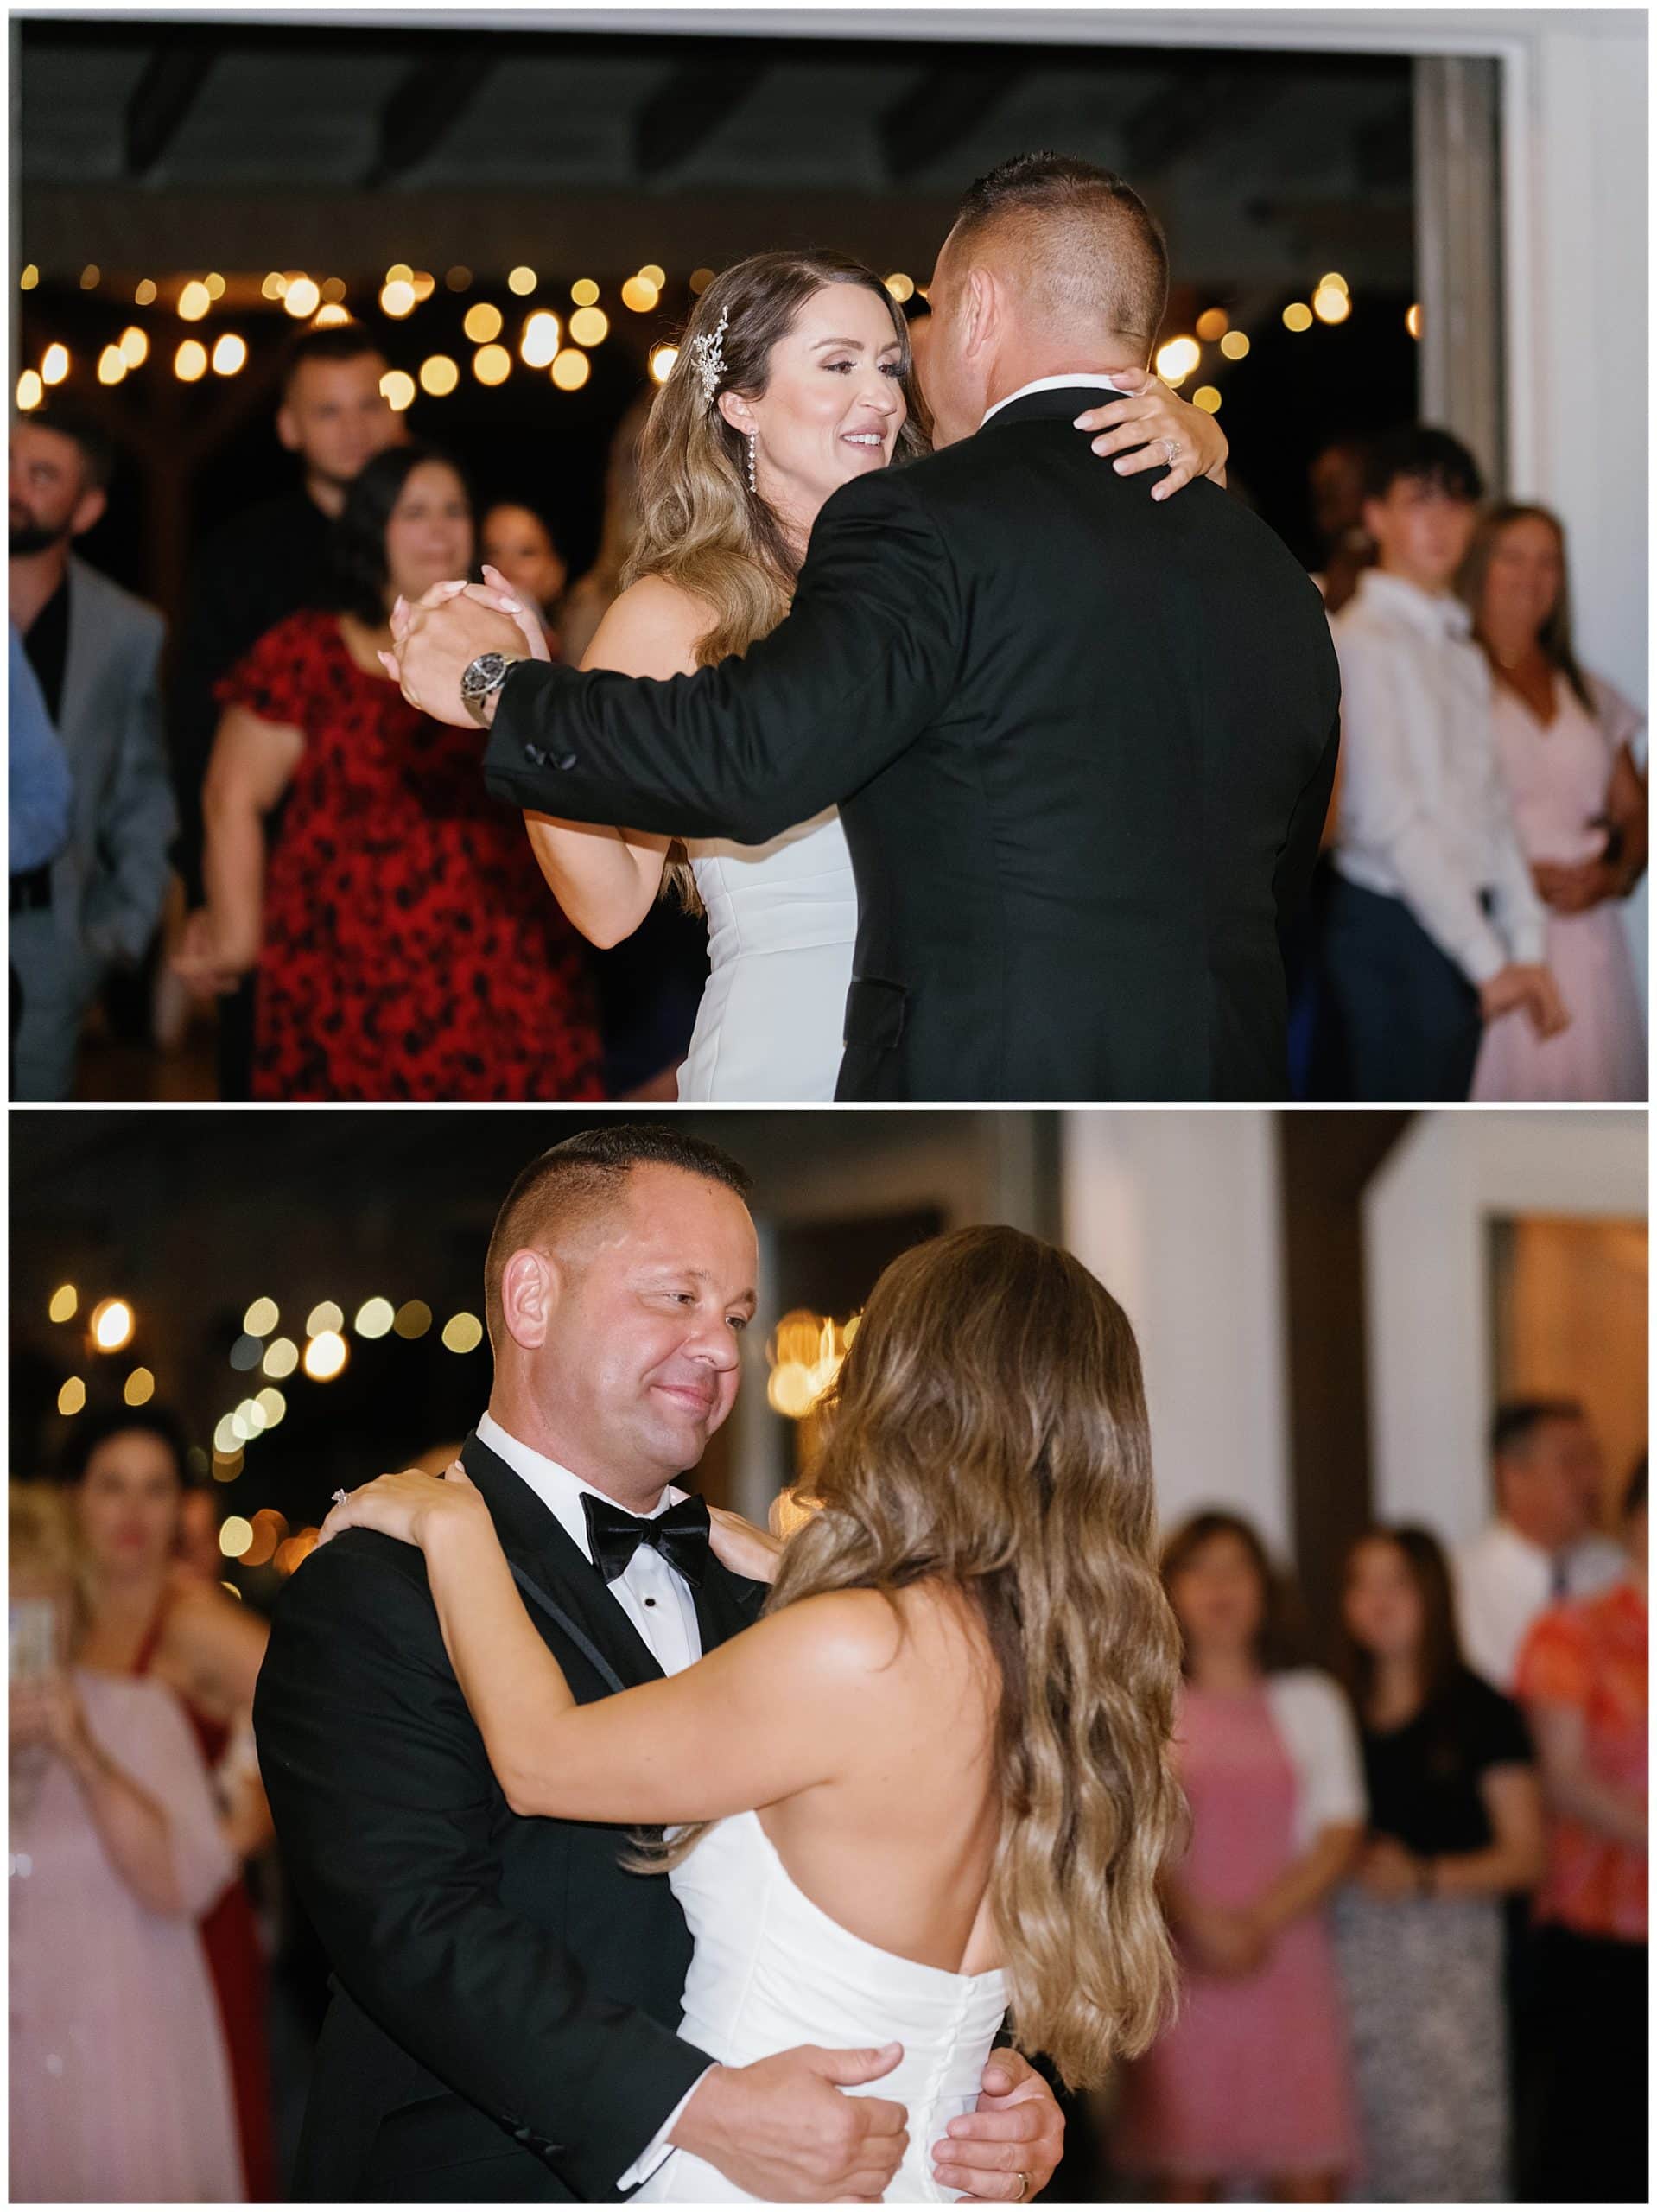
(726, 1605)
(563, 1588)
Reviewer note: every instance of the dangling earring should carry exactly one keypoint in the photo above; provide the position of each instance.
(753, 446)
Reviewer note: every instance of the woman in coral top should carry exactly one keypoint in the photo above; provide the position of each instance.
(1582, 1675)
(405, 944)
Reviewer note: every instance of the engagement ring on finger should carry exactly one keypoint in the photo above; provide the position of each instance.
(339, 1498)
(1171, 446)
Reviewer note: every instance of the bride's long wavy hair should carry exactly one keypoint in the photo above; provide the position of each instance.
(699, 525)
(988, 1429)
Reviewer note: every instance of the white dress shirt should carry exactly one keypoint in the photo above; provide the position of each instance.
(658, 1602)
(1503, 1581)
(1060, 384)
(1423, 812)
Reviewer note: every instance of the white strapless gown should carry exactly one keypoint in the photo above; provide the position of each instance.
(782, 919)
(771, 1970)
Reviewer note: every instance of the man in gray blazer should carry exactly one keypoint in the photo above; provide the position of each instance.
(94, 648)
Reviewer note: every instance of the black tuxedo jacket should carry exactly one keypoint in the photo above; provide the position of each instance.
(505, 1994)
(1083, 745)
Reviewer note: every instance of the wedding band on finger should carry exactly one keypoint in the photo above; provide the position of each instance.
(1024, 2184)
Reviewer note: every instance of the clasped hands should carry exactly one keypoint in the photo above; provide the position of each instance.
(436, 640)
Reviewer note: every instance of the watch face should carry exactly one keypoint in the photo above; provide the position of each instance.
(483, 674)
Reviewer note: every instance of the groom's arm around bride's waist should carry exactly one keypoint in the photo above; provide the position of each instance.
(389, 1820)
(868, 656)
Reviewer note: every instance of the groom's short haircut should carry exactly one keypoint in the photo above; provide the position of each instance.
(1081, 241)
(572, 1183)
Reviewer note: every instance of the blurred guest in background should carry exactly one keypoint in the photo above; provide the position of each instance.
(262, 565)
(1254, 2079)
(94, 649)
(405, 944)
(1583, 1676)
(39, 795)
(1434, 928)
(1338, 493)
(518, 542)
(1542, 1545)
(120, 2082)
(1565, 740)
(1455, 1826)
(153, 1620)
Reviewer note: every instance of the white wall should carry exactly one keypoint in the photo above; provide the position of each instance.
(1177, 1215)
(1430, 1337)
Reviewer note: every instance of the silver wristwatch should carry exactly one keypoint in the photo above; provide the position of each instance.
(484, 676)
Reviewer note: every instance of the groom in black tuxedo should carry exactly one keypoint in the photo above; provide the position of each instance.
(1082, 743)
(505, 1990)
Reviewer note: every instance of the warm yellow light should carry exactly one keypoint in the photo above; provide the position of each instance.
(261, 1317)
(331, 317)
(325, 1356)
(65, 1302)
(1235, 345)
(424, 285)
(570, 371)
(438, 376)
(584, 292)
(459, 277)
(540, 340)
(111, 365)
(228, 1444)
(227, 1465)
(140, 1387)
(653, 273)
(1175, 360)
(54, 364)
(1212, 324)
(90, 276)
(482, 323)
(274, 285)
(399, 273)
(236, 1536)
(522, 280)
(700, 280)
(135, 346)
(144, 294)
(1412, 321)
(1297, 316)
(397, 390)
(334, 289)
(281, 1357)
(194, 301)
(30, 390)
(269, 1529)
(272, 1405)
(1329, 305)
(1332, 281)
(190, 362)
(398, 299)
(112, 1324)
(901, 287)
(639, 295)
(320, 1318)
(462, 1332)
(215, 284)
(250, 1415)
(589, 325)
(661, 360)
(374, 1317)
(73, 1396)
(491, 364)
(303, 298)
(413, 1320)
(229, 355)
(1207, 397)
(29, 278)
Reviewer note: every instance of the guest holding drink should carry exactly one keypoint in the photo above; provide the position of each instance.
(120, 2086)
(1455, 1826)
(1252, 2080)
(1566, 744)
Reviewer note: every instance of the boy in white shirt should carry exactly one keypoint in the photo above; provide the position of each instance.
(1434, 926)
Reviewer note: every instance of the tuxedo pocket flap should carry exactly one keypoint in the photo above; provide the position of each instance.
(874, 1013)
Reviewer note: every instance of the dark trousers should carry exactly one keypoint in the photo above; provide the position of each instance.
(1409, 1018)
(1591, 2069)
(236, 1041)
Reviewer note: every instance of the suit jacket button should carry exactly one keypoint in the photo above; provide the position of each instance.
(535, 755)
(566, 761)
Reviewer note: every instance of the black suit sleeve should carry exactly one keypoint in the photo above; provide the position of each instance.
(386, 1812)
(1291, 882)
(864, 660)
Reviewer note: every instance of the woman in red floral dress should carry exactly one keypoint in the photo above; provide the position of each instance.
(405, 943)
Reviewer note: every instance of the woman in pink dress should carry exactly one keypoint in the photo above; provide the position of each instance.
(119, 2076)
(1252, 2082)
(1566, 743)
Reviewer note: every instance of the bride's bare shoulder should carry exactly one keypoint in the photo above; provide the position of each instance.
(653, 629)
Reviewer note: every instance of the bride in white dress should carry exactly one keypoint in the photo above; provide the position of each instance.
(931, 1788)
(796, 374)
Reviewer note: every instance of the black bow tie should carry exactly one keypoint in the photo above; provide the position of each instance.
(680, 1534)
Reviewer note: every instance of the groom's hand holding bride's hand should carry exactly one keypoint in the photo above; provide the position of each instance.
(435, 641)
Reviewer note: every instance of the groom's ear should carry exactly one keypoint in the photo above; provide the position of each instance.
(529, 1292)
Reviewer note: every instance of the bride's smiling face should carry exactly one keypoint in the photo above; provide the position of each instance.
(832, 404)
